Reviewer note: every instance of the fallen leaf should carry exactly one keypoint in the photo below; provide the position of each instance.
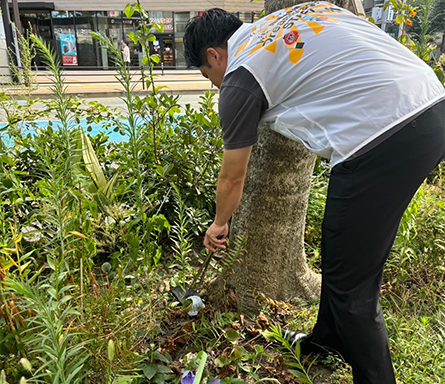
(262, 321)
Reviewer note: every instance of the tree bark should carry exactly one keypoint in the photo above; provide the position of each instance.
(272, 216)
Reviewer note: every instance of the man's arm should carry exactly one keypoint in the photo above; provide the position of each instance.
(242, 103)
(228, 195)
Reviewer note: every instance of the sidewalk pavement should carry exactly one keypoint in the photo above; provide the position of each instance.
(102, 83)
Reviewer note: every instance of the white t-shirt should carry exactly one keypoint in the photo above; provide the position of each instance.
(332, 80)
(126, 54)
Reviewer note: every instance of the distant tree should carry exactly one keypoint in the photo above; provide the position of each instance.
(437, 23)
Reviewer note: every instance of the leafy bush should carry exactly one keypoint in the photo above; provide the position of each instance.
(75, 201)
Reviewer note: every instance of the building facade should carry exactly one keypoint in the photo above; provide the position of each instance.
(67, 27)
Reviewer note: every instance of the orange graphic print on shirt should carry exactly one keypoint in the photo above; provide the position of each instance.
(272, 31)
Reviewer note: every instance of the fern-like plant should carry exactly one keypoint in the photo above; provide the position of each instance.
(48, 334)
(46, 300)
(292, 353)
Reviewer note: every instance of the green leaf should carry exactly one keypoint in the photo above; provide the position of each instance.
(64, 299)
(163, 369)
(91, 162)
(221, 361)
(129, 11)
(23, 267)
(127, 379)
(50, 262)
(159, 378)
(399, 19)
(150, 370)
(202, 362)
(241, 353)
(145, 60)
(132, 37)
(165, 359)
(168, 168)
(160, 170)
(295, 365)
(158, 27)
(20, 173)
(231, 335)
(238, 353)
(52, 292)
(300, 376)
(6, 159)
(155, 58)
(93, 208)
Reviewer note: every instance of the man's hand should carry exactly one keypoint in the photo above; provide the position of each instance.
(216, 236)
(228, 195)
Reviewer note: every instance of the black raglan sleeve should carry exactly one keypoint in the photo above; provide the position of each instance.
(242, 103)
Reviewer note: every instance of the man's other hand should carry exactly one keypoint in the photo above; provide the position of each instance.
(216, 236)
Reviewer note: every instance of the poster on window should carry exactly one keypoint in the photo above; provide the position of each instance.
(69, 50)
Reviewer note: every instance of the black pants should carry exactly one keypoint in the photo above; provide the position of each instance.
(367, 197)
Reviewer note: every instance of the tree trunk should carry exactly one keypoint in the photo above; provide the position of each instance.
(272, 216)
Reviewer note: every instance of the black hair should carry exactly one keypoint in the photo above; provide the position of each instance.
(212, 29)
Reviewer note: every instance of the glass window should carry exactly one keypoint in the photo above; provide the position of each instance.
(245, 17)
(132, 25)
(63, 23)
(65, 36)
(111, 27)
(40, 24)
(179, 52)
(167, 51)
(44, 28)
(87, 48)
(44, 25)
(29, 21)
(181, 20)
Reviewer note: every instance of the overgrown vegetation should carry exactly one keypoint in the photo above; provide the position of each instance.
(418, 23)
(95, 233)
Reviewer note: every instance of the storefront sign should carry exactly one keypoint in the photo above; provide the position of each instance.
(167, 21)
(68, 48)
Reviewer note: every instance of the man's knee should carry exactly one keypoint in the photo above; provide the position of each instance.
(355, 304)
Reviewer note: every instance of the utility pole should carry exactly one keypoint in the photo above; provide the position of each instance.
(358, 7)
(384, 18)
(8, 32)
(17, 22)
(6, 22)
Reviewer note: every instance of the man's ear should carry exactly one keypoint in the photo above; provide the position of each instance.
(215, 55)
